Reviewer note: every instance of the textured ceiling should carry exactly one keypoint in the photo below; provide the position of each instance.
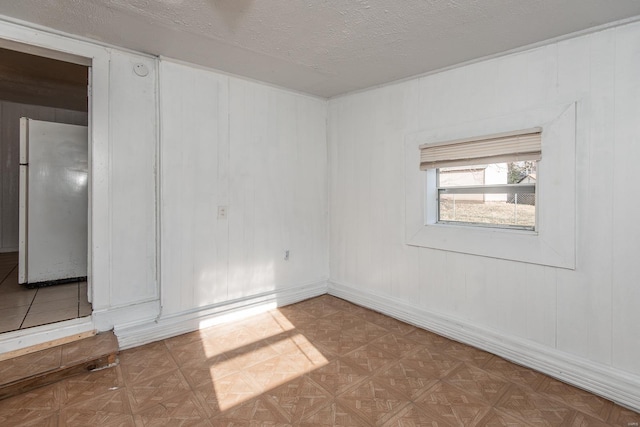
(322, 47)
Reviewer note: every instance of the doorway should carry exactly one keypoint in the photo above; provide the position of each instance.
(49, 90)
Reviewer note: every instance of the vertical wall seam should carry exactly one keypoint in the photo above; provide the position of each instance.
(328, 181)
(109, 180)
(158, 189)
(613, 201)
(228, 182)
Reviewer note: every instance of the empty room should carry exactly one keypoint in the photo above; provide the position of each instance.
(319, 213)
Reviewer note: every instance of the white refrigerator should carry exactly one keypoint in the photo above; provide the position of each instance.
(53, 203)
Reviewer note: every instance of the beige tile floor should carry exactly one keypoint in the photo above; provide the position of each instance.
(321, 362)
(22, 308)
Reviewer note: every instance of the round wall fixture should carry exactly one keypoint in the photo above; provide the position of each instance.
(141, 70)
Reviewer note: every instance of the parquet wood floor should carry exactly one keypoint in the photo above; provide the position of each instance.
(321, 362)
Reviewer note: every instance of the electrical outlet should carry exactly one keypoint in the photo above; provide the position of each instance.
(222, 212)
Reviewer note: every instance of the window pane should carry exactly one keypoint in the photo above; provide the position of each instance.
(515, 209)
(462, 176)
(498, 194)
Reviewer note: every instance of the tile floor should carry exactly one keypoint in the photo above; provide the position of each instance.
(321, 362)
(22, 308)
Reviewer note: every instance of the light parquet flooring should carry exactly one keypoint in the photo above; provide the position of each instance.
(321, 362)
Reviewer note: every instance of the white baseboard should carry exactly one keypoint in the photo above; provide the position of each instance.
(611, 383)
(106, 320)
(167, 326)
(17, 340)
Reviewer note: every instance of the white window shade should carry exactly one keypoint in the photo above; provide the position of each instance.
(497, 148)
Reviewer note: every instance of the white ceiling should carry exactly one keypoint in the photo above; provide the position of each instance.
(322, 47)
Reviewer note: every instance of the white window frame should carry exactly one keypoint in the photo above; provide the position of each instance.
(552, 243)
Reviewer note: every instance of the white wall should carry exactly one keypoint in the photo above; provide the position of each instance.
(132, 163)
(258, 151)
(589, 314)
(10, 113)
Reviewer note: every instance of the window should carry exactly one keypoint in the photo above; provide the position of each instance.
(553, 139)
(500, 192)
(493, 195)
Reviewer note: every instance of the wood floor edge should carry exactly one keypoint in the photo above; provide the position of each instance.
(46, 345)
(50, 377)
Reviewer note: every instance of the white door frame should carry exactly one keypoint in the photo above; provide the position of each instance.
(43, 43)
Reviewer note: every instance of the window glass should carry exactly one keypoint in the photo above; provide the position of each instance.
(496, 195)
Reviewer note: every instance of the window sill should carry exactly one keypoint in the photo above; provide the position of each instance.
(488, 228)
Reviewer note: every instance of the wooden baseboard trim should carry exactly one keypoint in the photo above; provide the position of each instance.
(46, 345)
